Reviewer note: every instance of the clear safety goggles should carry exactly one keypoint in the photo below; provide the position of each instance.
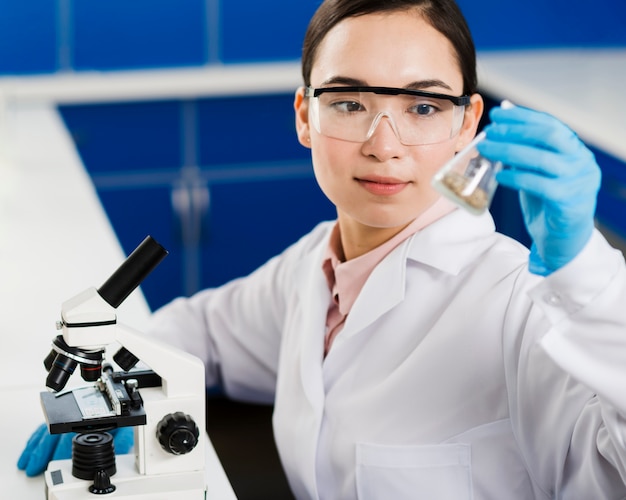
(417, 117)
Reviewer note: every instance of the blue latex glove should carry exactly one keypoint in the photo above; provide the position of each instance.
(42, 447)
(557, 177)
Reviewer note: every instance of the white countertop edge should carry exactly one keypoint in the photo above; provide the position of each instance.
(150, 84)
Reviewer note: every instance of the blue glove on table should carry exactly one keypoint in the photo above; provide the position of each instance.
(557, 177)
(42, 447)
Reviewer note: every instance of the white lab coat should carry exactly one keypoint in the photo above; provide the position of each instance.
(458, 375)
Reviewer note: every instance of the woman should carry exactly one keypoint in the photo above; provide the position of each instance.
(409, 349)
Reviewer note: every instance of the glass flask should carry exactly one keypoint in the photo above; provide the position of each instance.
(469, 179)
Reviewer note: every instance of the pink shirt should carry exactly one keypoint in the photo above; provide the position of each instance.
(345, 279)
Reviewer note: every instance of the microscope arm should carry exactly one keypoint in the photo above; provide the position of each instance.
(182, 374)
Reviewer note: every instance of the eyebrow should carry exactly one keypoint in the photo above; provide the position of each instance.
(416, 85)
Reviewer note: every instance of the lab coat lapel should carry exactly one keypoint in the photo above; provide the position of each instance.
(446, 245)
(300, 393)
(382, 291)
(452, 242)
(315, 298)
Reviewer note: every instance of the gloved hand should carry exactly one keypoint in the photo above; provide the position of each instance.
(557, 177)
(42, 447)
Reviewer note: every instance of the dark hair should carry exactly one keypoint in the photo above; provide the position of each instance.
(444, 15)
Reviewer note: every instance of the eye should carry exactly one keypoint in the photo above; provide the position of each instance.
(423, 109)
(343, 103)
(347, 106)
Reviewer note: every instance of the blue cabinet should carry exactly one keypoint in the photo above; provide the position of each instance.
(118, 34)
(28, 40)
(253, 31)
(45, 36)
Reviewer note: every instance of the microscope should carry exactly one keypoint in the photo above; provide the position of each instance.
(165, 402)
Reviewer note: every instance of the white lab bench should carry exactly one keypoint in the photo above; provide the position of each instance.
(55, 241)
(582, 87)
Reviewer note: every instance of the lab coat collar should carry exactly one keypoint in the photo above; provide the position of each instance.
(448, 244)
(453, 241)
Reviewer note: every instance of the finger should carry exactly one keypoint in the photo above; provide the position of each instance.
(520, 114)
(552, 138)
(536, 264)
(535, 127)
(34, 439)
(63, 449)
(124, 439)
(529, 182)
(525, 157)
(549, 163)
(41, 454)
(575, 194)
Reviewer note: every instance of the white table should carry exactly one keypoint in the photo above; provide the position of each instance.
(582, 87)
(55, 241)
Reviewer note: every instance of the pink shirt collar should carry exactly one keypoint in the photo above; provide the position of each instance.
(346, 279)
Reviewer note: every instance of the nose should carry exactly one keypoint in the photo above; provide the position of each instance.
(382, 142)
(376, 122)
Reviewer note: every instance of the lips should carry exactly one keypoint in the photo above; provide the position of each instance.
(382, 186)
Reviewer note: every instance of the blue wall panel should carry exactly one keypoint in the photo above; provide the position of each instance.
(120, 34)
(540, 23)
(42, 36)
(252, 221)
(262, 31)
(248, 129)
(28, 36)
(126, 137)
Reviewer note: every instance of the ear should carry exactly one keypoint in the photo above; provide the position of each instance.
(301, 107)
(471, 120)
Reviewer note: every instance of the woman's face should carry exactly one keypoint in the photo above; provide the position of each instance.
(382, 183)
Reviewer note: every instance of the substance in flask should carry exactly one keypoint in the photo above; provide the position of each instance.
(469, 179)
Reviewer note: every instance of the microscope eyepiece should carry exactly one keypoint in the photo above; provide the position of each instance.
(132, 272)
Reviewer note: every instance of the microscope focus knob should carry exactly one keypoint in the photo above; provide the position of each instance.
(177, 433)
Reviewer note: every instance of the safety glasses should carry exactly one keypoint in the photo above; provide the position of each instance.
(417, 117)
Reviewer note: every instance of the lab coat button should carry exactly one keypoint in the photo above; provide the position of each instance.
(553, 298)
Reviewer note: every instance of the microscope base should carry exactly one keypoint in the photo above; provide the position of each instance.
(129, 484)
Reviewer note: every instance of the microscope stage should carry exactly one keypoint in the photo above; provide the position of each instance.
(85, 410)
